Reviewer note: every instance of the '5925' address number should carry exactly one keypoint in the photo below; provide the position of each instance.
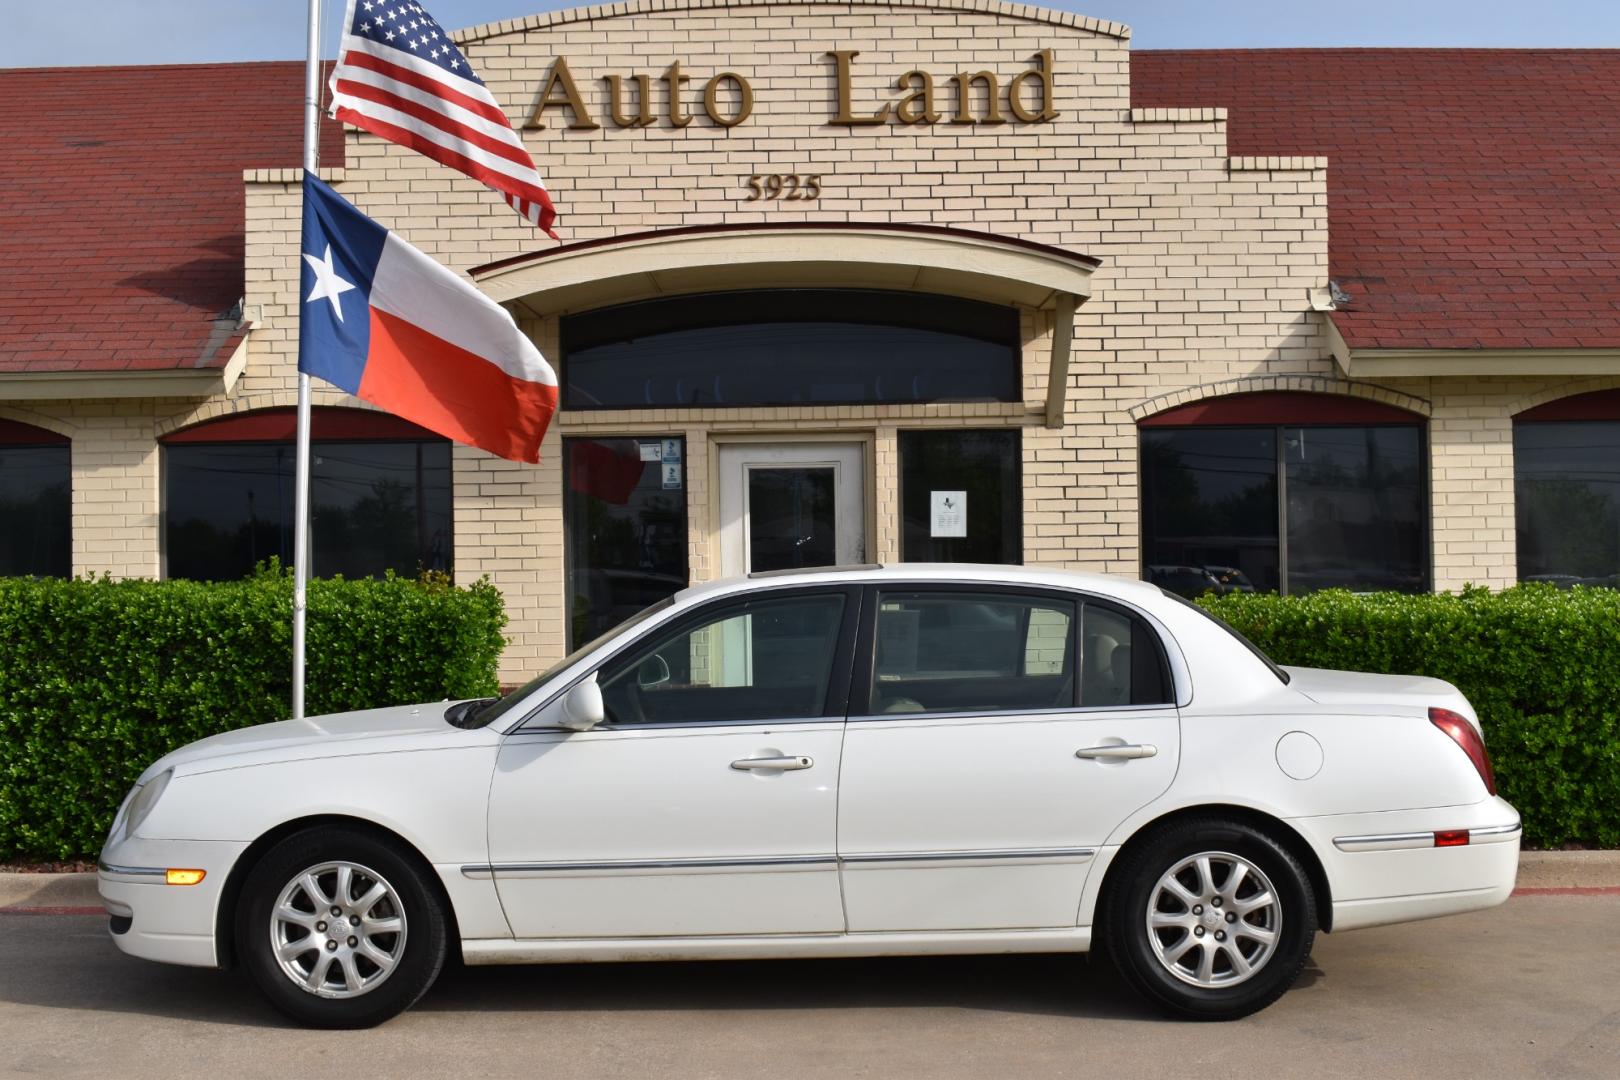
(783, 186)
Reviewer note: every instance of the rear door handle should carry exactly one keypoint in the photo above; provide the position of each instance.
(1118, 751)
(785, 763)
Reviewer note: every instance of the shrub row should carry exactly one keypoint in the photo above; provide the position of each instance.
(1541, 666)
(98, 678)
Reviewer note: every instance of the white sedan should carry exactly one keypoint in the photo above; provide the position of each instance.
(849, 762)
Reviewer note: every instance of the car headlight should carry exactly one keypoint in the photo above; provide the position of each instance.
(144, 800)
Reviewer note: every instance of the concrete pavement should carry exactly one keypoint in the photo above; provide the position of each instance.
(1504, 993)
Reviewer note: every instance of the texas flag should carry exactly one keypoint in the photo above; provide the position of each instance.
(390, 325)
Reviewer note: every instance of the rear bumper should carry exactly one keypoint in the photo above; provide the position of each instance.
(173, 924)
(1385, 868)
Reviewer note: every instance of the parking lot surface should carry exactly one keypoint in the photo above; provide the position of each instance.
(1523, 990)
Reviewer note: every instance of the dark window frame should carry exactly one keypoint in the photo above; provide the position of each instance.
(1017, 478)
(329, 426)
(688, 306)
(864, 675)
(1425, 464)
(569, 592)
(1593, 407)
(23, 436)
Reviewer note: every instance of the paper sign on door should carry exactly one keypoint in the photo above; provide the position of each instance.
(947, 513)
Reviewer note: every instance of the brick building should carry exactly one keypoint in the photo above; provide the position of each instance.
(934, 280)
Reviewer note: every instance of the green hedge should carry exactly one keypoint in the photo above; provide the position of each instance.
(98, 678)
(1541, 666)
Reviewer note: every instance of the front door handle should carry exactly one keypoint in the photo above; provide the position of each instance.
(784, 763)
(1118, 751)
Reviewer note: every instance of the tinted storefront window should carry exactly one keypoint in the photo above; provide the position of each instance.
(790, 347)
(1292, 509)
(374, 506)
(1567, 493)
(624, 512)
(35, 508)
(984, 468)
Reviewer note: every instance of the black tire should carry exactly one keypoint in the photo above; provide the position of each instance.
(418, 951)
(1134, 885)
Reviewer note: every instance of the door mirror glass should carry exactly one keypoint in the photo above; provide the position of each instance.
(582, 706)
(653, 671)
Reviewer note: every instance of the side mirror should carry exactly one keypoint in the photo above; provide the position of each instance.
(653, 671)
(582, 707)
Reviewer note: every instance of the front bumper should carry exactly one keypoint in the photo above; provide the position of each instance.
(173, 924)
(1385, 868)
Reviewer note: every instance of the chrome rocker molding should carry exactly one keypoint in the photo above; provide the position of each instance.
(486, 870)
(1489, 834)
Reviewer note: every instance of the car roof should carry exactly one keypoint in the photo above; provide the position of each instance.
(1111, 585)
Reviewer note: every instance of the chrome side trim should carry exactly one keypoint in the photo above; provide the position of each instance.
(1495, 834)
(1485, 834)
(1385, 841)
(869, 857)
(483, 870)
(487, 870)
(114, 871)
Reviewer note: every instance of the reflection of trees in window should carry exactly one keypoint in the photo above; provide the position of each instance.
(1567, 491)
(374, 507)
(35, 511)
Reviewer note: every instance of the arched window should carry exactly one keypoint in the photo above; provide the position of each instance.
(1291, 492)
(1566, 467)
(790, 347)
(379, 495)
(36, 502)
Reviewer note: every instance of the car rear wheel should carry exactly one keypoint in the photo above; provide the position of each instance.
(1210, 919)
(340, 929)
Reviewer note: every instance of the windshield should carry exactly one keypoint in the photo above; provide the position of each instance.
(1230, 629)
(492, 712)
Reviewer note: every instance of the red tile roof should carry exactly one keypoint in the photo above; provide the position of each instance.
(1473, 194)
(121, 235)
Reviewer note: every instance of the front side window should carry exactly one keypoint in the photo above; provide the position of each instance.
(1287, 507)
(1567, 498)
(375, 504)
(35, 502)
(972, 652)
(790, 347)
(766, 659)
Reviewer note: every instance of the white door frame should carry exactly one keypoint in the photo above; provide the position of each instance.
(846, 457)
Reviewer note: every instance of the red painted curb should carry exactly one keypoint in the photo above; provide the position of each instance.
(52, 911)
(1568, 890)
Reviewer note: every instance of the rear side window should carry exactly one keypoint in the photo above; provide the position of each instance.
(1121, 662)
(972, 652)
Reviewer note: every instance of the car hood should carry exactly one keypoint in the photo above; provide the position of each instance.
(369, 731)
(1327, 687)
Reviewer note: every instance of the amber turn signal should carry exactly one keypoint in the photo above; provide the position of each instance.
(184, 877)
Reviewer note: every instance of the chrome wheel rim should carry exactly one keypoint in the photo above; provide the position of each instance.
(1213, 920)
(338, 930)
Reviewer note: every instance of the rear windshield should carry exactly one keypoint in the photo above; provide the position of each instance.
(1224, 625)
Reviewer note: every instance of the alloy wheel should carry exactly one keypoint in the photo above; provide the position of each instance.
(1213, 920)
(337, 929)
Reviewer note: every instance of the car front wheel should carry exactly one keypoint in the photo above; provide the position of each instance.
(1210, 919)
(340, 929)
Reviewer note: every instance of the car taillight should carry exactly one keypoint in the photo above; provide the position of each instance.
(1463, 734)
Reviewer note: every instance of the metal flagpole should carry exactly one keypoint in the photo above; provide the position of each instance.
(312, 120)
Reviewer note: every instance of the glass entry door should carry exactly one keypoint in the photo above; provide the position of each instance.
(786, 506)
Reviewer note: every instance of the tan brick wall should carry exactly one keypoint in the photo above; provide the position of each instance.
(1208, 267)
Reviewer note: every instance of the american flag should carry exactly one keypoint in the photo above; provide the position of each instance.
(399, 76)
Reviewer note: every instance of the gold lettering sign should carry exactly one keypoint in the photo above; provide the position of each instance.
(629, 100)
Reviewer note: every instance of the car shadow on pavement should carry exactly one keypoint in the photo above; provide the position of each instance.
(68, 963)
(1045, 985)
